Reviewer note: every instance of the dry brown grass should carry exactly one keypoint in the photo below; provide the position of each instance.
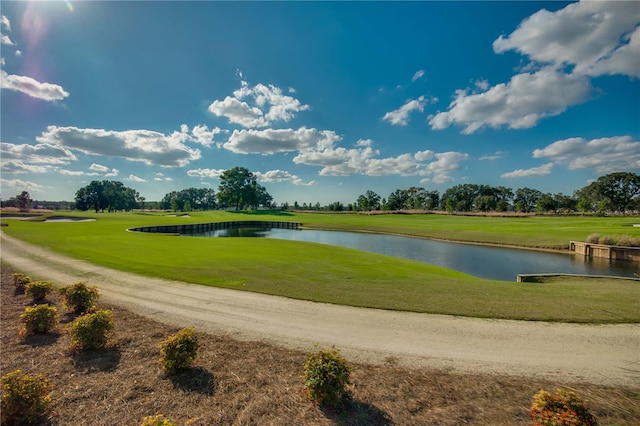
(235, 382)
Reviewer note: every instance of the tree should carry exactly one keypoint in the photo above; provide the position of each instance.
(546, 203)
(110, 195)
(239, 188)
(368, 201)
(618, 189)
(24, 201)
(527, 199)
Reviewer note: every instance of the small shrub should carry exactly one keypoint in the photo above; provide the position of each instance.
(38, 319)
(608, 240)
(326, 377)
(564, 408)
(178, 351)
(91, 331)
(38, 290)
(628, 241)
(78, 298)
(25, 398)
(593, 238)
(20, 280)
(157, 420)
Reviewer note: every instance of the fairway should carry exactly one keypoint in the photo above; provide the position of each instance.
(342, 276)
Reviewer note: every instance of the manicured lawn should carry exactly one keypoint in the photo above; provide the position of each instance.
(338, 275)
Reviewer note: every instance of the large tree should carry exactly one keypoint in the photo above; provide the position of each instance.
(109, 195)
(526, 199)
(618, 189)
(23, 201)
(239, 188)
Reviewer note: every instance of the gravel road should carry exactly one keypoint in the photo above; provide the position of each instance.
(604, 354)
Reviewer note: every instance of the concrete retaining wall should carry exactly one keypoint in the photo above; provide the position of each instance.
(604, 251)
(212, 226)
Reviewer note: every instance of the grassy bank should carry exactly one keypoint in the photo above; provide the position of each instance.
(337, 275)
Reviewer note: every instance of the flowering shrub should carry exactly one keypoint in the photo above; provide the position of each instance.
(91, 331)
(25, 398)
(38, 319)
(20, 280)
(326, 377)
(38, 290)
(564, 408)
(79, 298)
(157, 420)
(178, 351)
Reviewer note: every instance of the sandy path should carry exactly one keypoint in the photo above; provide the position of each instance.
(606, 354)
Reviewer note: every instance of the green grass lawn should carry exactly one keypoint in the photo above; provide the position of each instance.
(338, 275)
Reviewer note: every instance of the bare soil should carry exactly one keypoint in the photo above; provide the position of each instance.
(238, 379)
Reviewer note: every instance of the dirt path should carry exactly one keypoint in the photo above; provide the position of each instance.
(604, 354)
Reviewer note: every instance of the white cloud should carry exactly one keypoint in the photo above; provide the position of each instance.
(270, 105)
(518, 104)
(203, 135)
(401, 116)
(495, 156)
(160, 177)
(270, 141)
(99, 168)
(18, 167)
(2, 62)
(445, 164)
(6, 23)
(483, 85)
(4, 39)
(19, 185)
(593, 36)
(206, 173)
(76, 173)
(604, 155)
(147, 146)
(39, 153)
(238, 112)
(134, 178)
(543, 170)
(281, 176)
(33, 88)
(18, 52)
(418, 75)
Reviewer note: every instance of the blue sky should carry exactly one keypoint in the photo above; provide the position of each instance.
(321, 100)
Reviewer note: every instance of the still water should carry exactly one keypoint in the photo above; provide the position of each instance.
(480, 261)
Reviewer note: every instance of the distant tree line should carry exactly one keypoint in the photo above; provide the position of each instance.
(239, 189)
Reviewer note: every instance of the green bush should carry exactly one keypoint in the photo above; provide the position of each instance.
(326, 377)
(178, 351)
(38, 290)
(20, 280)
(609, 240)
(593, 238)
(91, 331)
(78, 298)
(157, 420)
(38, 319)
(564, 408)
(25, 398)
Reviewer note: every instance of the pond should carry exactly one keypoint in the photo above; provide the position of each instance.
(481, 261)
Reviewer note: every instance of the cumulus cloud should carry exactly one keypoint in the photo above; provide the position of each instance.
(543, 170)
(6, 23)
(134, 178)
(203, 135)
(77, 173)
(281, 176)
(17, 167)
(418, 75)
(400, 116)
(446, 163)
(518, 104)
(19, 185)
(4, 39)
(104, 169)
(43, 153)
(205, 173)
(270, 141)
(267, 104)
(32, 87)
(595, 37)
(604, 155)
(147, 146)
